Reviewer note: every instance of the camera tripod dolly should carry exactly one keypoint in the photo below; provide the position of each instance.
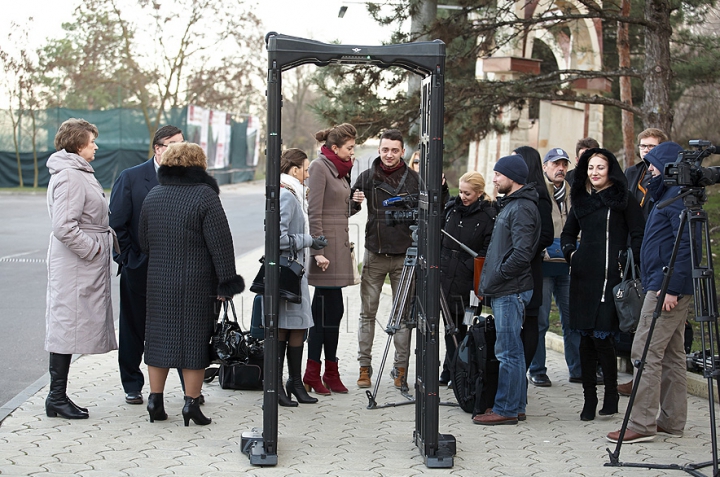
(403, 310)
(706, 313)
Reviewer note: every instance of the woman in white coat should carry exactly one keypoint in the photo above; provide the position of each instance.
(79, 316)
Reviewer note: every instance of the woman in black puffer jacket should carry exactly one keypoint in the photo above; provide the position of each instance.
(469, 218)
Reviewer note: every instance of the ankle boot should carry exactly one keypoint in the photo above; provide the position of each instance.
(312, 378)
(331, 377)
(588, 363)
(591, 401)
(608, 362)
(57, 402)
(191, 410)
(283, 399)
(294, 382)
(156, 407)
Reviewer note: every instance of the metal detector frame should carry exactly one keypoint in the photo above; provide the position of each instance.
(426, 59)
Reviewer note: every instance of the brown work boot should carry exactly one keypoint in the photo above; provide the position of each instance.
(364, 379)
(399, 376)
(625, 389)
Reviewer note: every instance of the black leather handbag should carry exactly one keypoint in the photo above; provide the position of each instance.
(291, 273)
(228, 344)
(629, 296)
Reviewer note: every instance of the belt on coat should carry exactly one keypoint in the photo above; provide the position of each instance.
(101, 229)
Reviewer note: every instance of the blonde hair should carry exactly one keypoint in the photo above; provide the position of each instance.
(475, 179)
(588, 185)
(184, 154)
(73, 135)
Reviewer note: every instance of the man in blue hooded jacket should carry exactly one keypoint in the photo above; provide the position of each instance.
(663, 384)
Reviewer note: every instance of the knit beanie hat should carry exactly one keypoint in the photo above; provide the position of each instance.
(513, 167)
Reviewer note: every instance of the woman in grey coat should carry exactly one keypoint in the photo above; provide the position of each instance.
(79, 315)
(191, 265)
(295, 318)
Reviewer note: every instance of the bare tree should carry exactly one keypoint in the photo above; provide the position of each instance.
(200, 51)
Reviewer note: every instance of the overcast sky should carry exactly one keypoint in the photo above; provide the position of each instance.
(316, 19)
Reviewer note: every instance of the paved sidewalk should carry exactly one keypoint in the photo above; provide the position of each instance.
(338, 436)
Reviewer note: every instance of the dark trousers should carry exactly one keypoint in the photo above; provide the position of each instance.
(327, 311)
(132, 335)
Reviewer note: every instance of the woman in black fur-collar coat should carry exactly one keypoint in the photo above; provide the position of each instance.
(191, 265)
(605, 214)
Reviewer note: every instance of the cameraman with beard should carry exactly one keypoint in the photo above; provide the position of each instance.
(385, 248)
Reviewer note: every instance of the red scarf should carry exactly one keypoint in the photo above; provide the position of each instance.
(343, 167)
(390, 170)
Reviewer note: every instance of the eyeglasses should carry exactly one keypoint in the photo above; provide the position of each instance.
(649, 147)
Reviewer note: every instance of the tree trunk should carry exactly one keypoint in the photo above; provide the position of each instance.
(658, 113)
(623, 47)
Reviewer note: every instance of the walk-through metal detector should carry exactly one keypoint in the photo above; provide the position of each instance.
(426, 59)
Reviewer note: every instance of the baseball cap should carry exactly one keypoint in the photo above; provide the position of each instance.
(556, 154)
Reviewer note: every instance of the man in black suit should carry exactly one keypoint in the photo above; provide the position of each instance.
(126, 201)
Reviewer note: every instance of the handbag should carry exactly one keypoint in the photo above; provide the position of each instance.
(257, 328)
(291, 273)
(629, 296)
(356, 273)
(228, 344)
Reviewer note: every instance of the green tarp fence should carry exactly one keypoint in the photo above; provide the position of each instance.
(124, 141)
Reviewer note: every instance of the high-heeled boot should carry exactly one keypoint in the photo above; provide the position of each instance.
(295, 383)
(608, 362)
(588, 363)
(331, 377)
(156, 407)
(283, 399)
(312, 378)
(57, 402)
(191, 410)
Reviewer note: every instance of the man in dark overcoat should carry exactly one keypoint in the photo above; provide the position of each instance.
(126, 199)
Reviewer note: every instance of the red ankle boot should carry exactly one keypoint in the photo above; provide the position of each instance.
(331, 377)
(312, 378)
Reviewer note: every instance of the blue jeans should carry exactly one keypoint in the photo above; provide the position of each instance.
(559, 286)
(512, 386)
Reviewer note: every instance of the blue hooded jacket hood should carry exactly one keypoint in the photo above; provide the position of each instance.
(661, 229)
(660, 155)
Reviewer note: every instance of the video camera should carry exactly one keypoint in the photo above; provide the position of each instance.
(407, 215)
(687, 172)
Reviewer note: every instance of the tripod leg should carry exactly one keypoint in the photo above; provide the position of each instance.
(396, 314)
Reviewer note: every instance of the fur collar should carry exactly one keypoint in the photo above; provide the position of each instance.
(177, 175)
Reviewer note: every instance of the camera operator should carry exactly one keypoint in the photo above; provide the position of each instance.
(385, 248)
(663, 383)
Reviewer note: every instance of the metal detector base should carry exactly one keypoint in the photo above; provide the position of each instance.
(443, 459)
(252, 445)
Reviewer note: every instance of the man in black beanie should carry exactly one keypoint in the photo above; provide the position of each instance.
(507, 283)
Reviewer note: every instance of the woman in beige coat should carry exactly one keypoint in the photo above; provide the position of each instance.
(330, 269)
(79, 315)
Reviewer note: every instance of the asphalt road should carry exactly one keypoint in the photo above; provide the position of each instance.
(24, 234)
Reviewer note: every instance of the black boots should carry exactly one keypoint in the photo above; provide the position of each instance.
(294, 383)
(588, 363)
(608, 362)
(57, 402)
(191, 410)
(283, 399)
(156, 407)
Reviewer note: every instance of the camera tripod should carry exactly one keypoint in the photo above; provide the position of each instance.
(403, 312)
(706, 313)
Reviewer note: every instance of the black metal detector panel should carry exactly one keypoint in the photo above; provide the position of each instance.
(426, 59)
(437, 449)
